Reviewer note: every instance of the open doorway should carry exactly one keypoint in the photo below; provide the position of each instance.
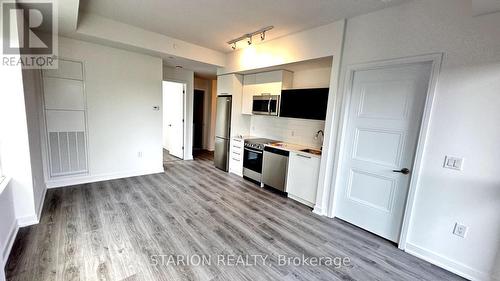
(198, 119)
(173, 121)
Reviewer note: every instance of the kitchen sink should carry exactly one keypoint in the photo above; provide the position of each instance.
(312, 151)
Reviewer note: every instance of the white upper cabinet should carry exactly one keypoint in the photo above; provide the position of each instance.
(249, 90)
(302, 181)
(268, 83)
(225, 85)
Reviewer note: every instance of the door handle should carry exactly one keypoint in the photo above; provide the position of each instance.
(404, 171)
(303, 156)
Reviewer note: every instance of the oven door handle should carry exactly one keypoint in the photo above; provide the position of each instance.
(256, 151)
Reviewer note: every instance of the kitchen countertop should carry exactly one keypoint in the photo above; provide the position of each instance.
(242, 137)
(294, 148)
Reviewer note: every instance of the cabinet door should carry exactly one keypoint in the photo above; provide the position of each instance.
(303, 172)
(249, 90)
(269, 82)
(224, 85)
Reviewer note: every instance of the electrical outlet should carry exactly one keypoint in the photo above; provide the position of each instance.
(139, 154)
(453, 163)
(460, 230)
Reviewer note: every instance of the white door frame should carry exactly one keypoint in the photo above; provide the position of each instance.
(184, 110)
(436, 60)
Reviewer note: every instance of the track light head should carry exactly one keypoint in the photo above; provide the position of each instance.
(249, 36)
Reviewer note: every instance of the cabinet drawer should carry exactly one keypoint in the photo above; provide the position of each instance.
(236, 156)
(235, 165)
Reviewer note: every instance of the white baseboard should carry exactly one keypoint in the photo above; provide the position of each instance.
(302, 201)
(318, 210)
(14, 228)
(97, 178)
(448, 264)
(27, 221)
(40, 203)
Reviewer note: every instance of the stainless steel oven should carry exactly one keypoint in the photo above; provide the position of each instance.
(252, 164)
(266, 104)
(252, 158)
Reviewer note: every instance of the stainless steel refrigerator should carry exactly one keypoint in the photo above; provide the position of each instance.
(222, 132)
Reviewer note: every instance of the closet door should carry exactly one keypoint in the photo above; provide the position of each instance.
(65, 116)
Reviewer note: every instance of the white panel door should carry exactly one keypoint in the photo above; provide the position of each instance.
(380, 140)
(173, 118)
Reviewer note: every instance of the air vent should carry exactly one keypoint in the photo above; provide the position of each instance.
(67, 153)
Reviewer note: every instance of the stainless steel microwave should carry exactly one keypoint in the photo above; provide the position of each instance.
(266, 105)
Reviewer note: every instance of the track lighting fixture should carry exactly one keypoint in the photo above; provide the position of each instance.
(249, 37)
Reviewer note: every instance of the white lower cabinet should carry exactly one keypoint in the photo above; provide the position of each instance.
(302, 180)
(236, 156)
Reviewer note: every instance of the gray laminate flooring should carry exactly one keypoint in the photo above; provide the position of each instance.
(122, 229)
(167, 157)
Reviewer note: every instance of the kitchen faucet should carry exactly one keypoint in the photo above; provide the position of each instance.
(322, 137)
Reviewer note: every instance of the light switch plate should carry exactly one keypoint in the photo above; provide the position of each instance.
(460, 230)
(453, 163)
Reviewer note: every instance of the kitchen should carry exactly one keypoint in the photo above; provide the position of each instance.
(270, 126)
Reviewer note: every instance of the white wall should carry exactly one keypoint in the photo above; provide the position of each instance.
(121, 89)
(14, 143)
(33, 100)
(464, 123)
(310, 44)
(312, 78)
(17, 204)
(8, 224)
(2, 271)
(297, 131)
(109, 32)
(187, 77)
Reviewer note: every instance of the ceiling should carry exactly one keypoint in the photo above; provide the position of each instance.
(325, 62)
(211, 23)
(202, 70)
